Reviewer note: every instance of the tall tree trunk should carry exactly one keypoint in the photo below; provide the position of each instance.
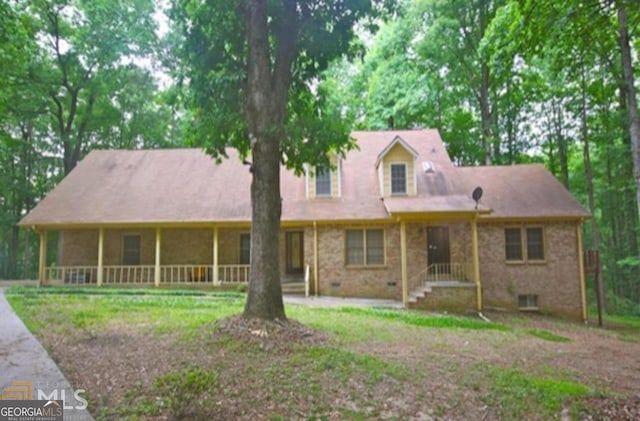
(485, 113)
(485, 108)
(266, 99)
(634, 118)
(511, 134)
(561, 142)
(588, 169)
(611, 214)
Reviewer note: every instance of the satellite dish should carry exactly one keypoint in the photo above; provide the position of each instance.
(477, 195)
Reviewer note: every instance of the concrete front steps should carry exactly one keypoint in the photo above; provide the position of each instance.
(450, 296)
(293, 287)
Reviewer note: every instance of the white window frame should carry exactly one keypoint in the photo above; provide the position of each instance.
(328, 172)
(406, 179)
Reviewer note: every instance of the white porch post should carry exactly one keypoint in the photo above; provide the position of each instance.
(216, 279)
(42, 261)
(403, 264)
(156, 273)
(100, 256)
(476, 261)
(316, 259)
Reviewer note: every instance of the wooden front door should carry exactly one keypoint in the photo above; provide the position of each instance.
(438, 247)
(295, 252)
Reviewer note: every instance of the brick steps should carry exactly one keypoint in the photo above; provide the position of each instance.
(450, 296)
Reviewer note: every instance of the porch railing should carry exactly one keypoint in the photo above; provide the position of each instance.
(145, 274)
(75, 275)
(186, 274)
(203, 274)
(233, 274)
(122, 275)
(438, 272)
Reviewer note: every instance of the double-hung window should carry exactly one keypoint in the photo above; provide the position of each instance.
(535, 244)
(524, 244)
(513, 244)
(323, 181)
(365, 247)
(398, 175)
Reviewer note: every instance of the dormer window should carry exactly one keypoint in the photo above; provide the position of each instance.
(396, 166)
(398, 178)
(323, 181)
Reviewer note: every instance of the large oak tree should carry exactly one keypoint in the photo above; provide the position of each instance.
(253, 67)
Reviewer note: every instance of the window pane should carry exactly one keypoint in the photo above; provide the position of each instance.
(513, 244)
(398, 178)
(245, 249)
(131, 250)
(528, 301)
(375, 247)
(323, 182)
(355, 247)
(535, 244)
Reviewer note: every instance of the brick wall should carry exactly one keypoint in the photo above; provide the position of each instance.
(336, 279)
(556, 281)
(187, 246)
(79, 248)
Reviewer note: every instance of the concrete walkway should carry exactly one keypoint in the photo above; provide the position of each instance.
(23, 359)
(324, 301)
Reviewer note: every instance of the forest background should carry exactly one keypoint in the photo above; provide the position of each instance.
(505, 82)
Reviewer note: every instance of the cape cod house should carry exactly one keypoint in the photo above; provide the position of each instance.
(394, 219)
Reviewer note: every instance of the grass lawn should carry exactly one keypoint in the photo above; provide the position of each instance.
(150, 353)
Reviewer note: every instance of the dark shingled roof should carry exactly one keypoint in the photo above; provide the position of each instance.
(187, 186)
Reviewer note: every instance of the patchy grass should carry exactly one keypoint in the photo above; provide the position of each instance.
(344, 364)
(515, 395)
(632, 322)
(184, 394)
(356, 324)
(66, 309)
(163, 354)
(547, 336)
(424, 320)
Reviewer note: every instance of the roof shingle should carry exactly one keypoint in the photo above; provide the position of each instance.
(187, 186)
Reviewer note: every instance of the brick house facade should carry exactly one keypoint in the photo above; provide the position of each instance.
(394, 219)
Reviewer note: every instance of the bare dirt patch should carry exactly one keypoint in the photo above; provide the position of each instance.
(266, 370)
(269, 335)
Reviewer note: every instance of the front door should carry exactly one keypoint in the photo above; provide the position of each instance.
(438, 249)
(295, 252)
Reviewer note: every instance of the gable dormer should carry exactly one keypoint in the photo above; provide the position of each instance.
(324, 182)
(397, 169)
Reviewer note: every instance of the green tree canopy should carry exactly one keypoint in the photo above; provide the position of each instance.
(253, 66)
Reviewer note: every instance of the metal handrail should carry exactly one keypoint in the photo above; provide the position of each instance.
(438, 272)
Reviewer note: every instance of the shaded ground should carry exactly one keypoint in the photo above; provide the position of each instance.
(179, 358)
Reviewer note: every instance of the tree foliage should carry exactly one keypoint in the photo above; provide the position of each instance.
(215, 55)
(253, 67)
(71, 82)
